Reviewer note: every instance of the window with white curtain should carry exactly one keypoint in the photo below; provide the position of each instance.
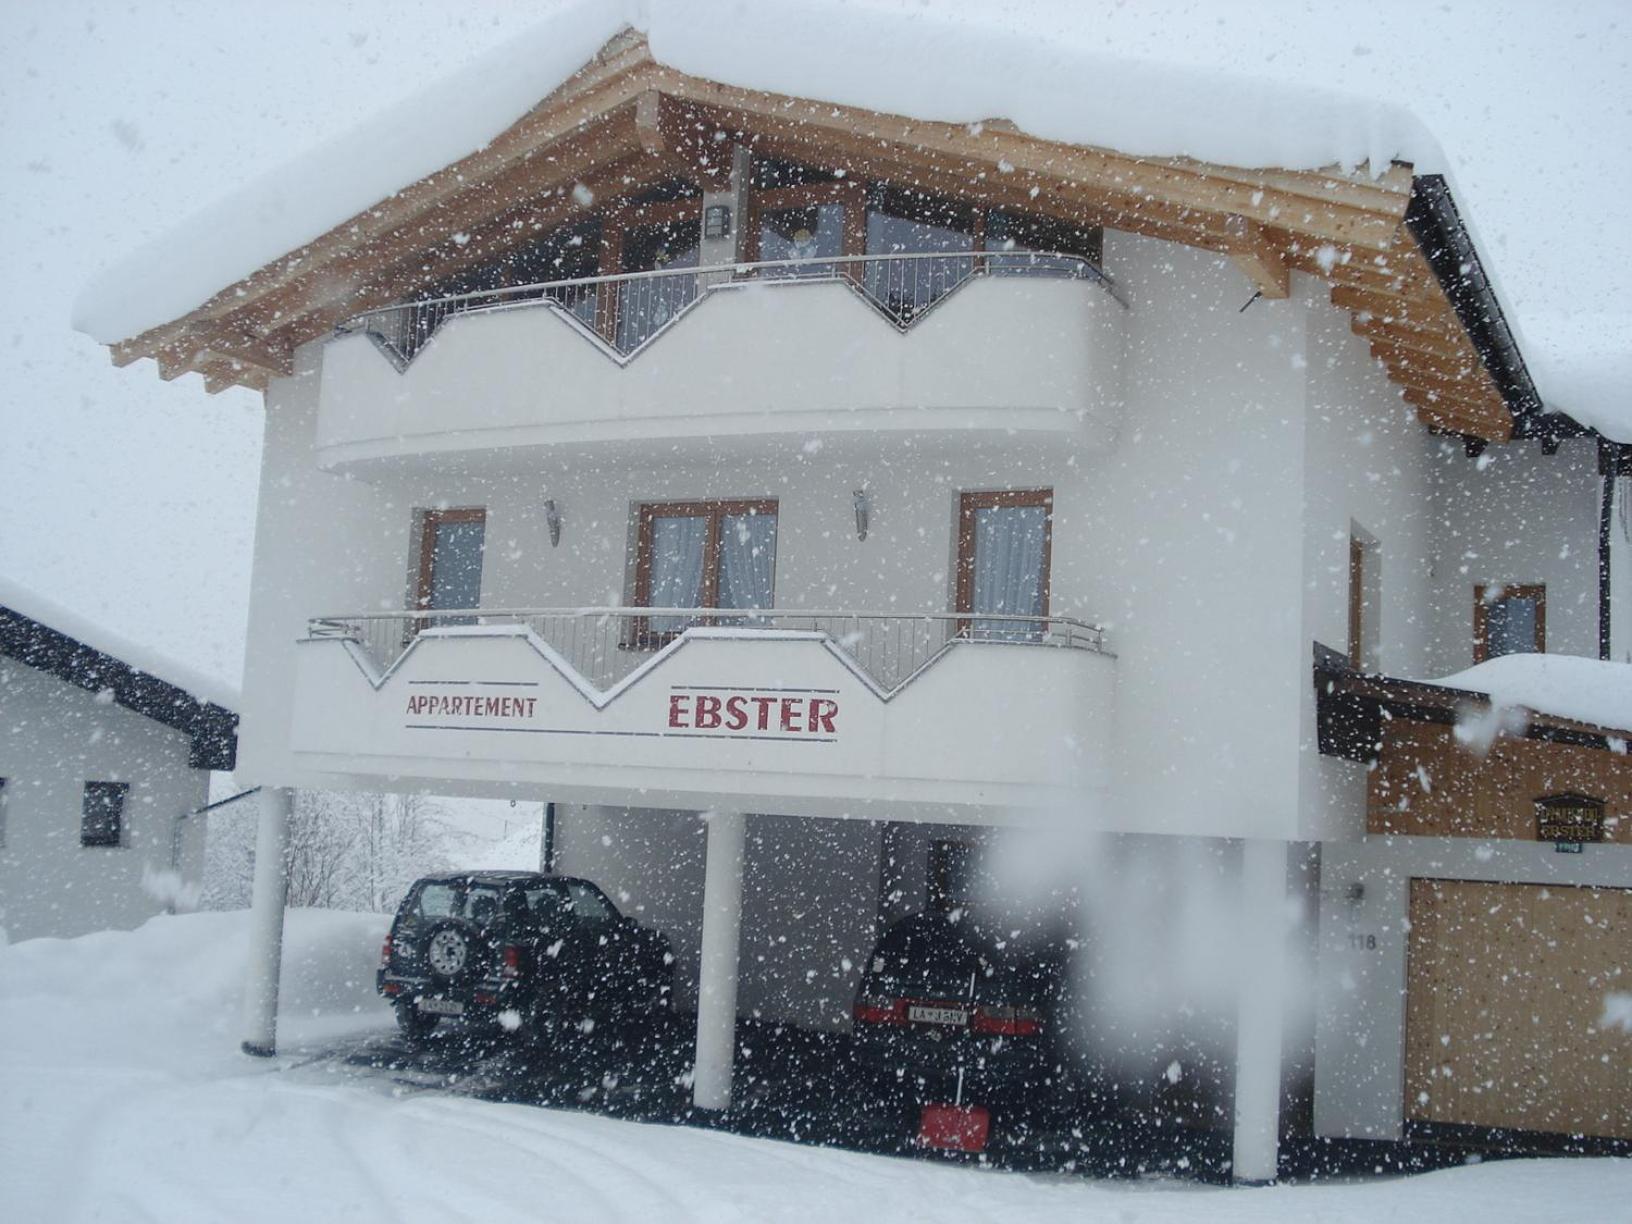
(704, 555)
(1004, 542)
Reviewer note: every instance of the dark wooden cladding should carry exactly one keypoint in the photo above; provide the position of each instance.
(1427, 784)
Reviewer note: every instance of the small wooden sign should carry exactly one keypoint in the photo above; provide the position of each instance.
(1569, 819)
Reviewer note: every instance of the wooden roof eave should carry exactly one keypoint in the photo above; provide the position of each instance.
(1346, 228)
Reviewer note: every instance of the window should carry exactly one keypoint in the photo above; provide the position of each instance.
(1365, 599)
(1509, 620)
(1030, 243)
(450, 559)
(102, 814)
(903, 222)
(1004, 543)
(703, 555)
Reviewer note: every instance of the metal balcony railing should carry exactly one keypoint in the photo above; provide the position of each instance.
(625, 313)
(604, 645)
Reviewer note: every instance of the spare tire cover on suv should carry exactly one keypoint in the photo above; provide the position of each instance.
(452, 949)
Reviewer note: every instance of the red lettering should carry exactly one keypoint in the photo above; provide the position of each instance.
(708, 713)
(736, 713)
(822, 713)
(764, 704)
(677, 709)
(790, 710)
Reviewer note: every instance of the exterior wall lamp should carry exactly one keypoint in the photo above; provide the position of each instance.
(552, 516)
(859, 497)
(717, 221)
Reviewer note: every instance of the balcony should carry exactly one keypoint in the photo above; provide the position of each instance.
(1004, 344)
(823, 713)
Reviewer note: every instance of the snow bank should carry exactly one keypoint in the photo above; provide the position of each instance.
(126, 1099)
(37, 607)
(169, 993)
(1049, 76)
(1565, 686)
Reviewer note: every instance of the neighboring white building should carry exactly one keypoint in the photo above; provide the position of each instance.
(1070, 488)
(105, 756)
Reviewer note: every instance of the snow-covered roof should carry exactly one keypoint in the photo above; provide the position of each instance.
(37, 607)
(962, 66)
(1582, 364)
(1565, 686)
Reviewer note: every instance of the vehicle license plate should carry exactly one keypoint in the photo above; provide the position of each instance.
(442, 1007)
(937, 1015)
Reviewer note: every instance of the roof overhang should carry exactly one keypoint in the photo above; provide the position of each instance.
(626, 119)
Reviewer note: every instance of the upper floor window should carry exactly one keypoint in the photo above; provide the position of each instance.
(1365, 599)
(713, 554)
(451, 544)
(1509, 619)
(668, 242)
(102, 814)
(1004, 546)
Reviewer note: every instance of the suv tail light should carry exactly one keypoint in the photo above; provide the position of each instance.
(1007, 1021)
(510, 964)
(880, 1011)
(385, 952)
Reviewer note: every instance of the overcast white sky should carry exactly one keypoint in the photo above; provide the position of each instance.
(132, 501)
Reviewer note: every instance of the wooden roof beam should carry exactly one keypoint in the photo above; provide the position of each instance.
(1263, 198)
(1449, 346)
(1258, 258)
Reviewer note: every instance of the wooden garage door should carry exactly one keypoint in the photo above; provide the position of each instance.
(1508, 990)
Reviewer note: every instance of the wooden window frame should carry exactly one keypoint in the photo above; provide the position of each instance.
(119, 789)
(968, 504)
(429, 521)
(642, 636)
(1517, 590)
(1357, 601)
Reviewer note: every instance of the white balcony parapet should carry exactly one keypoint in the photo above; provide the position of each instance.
(931, 717)
(623, 314)
(605, 647)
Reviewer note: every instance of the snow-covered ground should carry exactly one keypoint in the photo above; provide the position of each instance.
(126, 1099)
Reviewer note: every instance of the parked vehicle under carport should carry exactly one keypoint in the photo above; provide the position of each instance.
(520, 952)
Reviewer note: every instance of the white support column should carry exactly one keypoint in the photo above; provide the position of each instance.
(266, 923)
(1262, 977)
(717, 976)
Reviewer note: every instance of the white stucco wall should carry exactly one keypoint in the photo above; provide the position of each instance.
(1210, 535)
(1517, 515)
(55, 737)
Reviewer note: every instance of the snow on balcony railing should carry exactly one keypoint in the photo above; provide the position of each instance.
(604, 645)
(622, 314)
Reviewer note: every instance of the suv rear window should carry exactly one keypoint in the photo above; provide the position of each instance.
(478, 902)
(435, 901)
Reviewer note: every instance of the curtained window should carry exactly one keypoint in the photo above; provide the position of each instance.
(704, 555)
(1004, 542)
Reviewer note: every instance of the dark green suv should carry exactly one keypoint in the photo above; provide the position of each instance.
(521, 952)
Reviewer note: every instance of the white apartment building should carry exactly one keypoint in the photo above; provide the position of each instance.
(798, 495)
